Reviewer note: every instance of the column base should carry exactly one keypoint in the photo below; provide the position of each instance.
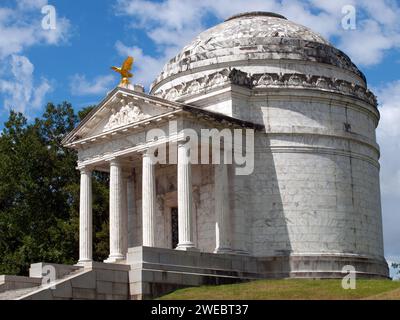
(186, 247)
(83, 263)
(115, 259)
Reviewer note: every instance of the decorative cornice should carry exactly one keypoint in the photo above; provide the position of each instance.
(267, 80)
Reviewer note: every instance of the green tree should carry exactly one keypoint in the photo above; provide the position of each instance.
(39, 193)
(396, 266)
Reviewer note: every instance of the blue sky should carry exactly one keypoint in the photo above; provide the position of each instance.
(71, 63)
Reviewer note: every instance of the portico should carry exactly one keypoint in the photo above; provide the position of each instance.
(123, 206)
(143, 192)
(120, 198)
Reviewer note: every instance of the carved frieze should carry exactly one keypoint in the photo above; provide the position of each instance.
(267, 80)
(128, 113)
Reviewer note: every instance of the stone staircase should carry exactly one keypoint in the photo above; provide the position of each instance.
(92, 281)
(17, 287)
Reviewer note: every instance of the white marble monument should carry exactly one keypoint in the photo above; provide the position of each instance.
(313, 198)
(311, 204)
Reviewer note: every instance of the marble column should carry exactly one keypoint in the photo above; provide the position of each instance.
(148, 201)
(222, 215)
(131, 210)
(85, 216)
(185, 212)
(124, 226)
(116, 212)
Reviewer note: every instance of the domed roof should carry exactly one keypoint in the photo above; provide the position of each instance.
(261, 25)
(258, 36)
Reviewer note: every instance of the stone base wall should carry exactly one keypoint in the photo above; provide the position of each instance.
(155, 272)
(152, 272)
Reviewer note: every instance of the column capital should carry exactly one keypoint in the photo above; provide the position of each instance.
(85, 169)
(145, 153)
(149, 156)
(184, 153)
(183, 142)
(114, 161)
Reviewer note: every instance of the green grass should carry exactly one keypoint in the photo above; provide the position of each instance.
(291, 289)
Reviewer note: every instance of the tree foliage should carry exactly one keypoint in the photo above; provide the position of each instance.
(39, 193)
(396, 266)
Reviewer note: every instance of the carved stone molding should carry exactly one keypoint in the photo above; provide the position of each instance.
(267, 80)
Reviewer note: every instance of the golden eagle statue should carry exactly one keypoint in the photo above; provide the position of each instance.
(124, 71)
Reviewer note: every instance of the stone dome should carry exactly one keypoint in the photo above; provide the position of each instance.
(256, 42)
(263, 25)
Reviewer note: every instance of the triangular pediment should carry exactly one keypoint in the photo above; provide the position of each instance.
(121, 108)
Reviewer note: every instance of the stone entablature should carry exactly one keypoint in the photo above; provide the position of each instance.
(267, 80)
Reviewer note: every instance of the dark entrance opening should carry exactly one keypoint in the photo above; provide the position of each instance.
(174, 227)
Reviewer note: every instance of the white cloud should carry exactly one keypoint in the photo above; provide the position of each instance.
(59, 35)
(389, 137)
(31, 4)
(376, 42)
(80, 86)
(20, 92)
(20, 29)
